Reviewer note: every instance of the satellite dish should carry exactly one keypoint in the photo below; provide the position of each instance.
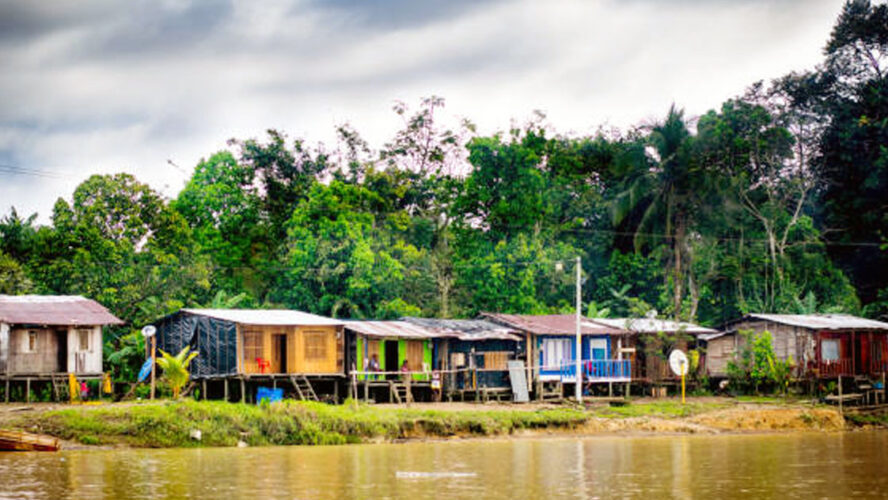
(148, 331)
(678, 362)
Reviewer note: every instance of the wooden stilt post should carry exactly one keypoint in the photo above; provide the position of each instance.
(336, 391)
(203, 390)
(6, 394)
(840, 395)
(226, 389)
(882, 399)
(27, 390)
(243, 388)
(610, 389)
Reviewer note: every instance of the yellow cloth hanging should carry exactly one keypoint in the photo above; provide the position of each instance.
(73, 387)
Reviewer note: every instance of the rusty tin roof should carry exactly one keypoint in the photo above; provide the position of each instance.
(554, 324)
(394, 329)
(466, 329)
(54, 310)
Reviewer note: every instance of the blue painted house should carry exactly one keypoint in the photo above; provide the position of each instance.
(552, 343)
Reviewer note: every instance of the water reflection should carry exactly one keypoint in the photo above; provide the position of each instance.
(790, 466)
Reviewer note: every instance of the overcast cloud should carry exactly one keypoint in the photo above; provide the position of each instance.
(107, 86)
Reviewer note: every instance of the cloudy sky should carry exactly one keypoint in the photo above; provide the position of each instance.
(107, 86)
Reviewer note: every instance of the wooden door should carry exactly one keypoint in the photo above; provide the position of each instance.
(279, 353)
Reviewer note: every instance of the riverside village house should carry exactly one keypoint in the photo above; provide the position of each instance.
(45, 337)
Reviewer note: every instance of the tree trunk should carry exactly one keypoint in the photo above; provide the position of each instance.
(677, 270)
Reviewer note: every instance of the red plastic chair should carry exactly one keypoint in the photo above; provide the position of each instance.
(264, 364)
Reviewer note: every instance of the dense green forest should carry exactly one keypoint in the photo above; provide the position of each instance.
(774, 202)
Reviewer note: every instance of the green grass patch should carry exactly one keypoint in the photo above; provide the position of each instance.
(761, 399)
(169, 424)
(878, 420)
(661, 409)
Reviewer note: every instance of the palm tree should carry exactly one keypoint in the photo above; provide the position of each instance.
(175, 369)
(661, 195)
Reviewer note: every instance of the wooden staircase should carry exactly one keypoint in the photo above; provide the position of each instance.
(59, 387)
(401, 392)
(304, 390)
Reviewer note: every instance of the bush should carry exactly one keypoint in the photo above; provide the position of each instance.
(756, 367)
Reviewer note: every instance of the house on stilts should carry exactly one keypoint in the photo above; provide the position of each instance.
(821, 346)
(377, 350)
(650, 342)
(465, 358)
(551, 352)
(43, 338)
(475, 354)
(240, 350)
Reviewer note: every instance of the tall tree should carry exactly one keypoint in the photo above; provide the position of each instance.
(662, 195)
(850, 92)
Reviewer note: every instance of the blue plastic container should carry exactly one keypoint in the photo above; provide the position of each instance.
(272, 395)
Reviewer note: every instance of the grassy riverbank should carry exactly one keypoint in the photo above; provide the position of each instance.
(168, 424)
(287, 423)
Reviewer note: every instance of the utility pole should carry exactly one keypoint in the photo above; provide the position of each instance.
(579, 344)
(153, 362)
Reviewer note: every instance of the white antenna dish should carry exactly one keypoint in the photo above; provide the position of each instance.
(148, 331)
(678, 362)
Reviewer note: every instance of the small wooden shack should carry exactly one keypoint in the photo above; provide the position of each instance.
(820, 345)
(259, 346)
(390, 344)
(470, 356)
(650, 342)
(475, 352)
(45, 337)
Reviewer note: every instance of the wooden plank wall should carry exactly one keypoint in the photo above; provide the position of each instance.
(314, 350)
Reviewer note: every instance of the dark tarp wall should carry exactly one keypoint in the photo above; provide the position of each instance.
(214, 339)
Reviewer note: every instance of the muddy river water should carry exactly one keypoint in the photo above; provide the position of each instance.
(804, 465)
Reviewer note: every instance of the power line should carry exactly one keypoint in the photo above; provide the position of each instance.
(17, 170)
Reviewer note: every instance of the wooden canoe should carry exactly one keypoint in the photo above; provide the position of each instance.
(24, 441)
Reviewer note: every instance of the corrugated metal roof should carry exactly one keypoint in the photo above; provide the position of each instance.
(823, 321)
(267, 317)
(394, 329)
(712, 336)
(466, 329)
(553, 324)
(56, 310)
(647, 325)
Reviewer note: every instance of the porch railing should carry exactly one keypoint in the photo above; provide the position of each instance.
(834, 368)
(600, 369)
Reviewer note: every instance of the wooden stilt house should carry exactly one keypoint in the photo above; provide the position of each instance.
(390, 344)
(650, 342)
(552, 351)
(475, 353)
(260, 345)
(819, 345)
(45, 337)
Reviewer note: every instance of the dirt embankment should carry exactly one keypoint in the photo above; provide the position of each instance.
(733, 420)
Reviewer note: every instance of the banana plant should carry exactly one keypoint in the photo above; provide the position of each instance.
(175, 369)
